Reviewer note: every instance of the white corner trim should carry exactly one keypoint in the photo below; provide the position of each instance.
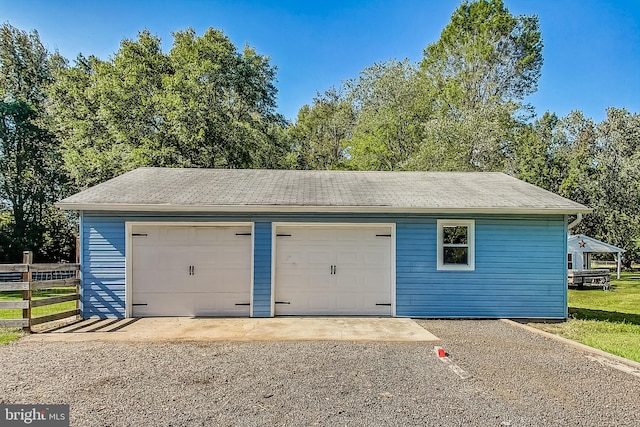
(253, 254)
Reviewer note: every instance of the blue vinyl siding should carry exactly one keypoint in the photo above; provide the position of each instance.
(103, 261)
(520, 263)
(519, 271)
(103, 267)
(262, 270)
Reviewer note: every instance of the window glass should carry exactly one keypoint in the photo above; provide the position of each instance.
(454, 235)
(456, 255)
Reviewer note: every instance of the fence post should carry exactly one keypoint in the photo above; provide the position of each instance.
(27, 259)
(77, 276)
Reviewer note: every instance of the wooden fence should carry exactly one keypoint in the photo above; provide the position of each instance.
(27, 285)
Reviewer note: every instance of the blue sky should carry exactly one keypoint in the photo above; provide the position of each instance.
(591, 53)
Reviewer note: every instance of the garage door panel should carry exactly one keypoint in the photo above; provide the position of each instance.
(194, 304)
(346, 258)
(160, 304)
(359, 279)
(162, 277)
(372, 259)
(319, 259)
(317, 281)
(176, 235)
(320, 301)
(212, 258)
(349, 302)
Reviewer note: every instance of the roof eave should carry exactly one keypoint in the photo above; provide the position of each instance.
(337, 209)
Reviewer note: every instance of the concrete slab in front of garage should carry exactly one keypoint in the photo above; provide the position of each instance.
(167, 329)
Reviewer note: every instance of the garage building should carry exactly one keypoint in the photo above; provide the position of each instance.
(261, 243)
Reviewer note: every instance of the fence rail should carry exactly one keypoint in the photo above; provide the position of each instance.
(67, 276)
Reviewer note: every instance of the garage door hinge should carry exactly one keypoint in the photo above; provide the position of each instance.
(243, 234)
(283, 302)
(383, 235)
(243, 303)
(139, 234)
(135, 305)
(283, 235)
(384, 304)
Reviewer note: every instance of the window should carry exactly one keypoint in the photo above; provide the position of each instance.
(456, 244)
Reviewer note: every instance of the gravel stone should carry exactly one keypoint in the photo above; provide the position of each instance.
(517, 379)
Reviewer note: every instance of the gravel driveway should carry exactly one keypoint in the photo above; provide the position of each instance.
(518, 379)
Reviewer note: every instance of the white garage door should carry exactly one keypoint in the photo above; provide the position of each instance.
(333, 270)
(190, 270)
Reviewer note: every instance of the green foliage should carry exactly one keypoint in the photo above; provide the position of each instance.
(460, 108)
(320, 134)
(90, 156)
(596, 165)
(476, 139)
(221, 102)
(204, 104)
(31, 177)
(613, 189)
(24, 66)
(391, 109)
(485, 55)
(483, 65)
(30, 181)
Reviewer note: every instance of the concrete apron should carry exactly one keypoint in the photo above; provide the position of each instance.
(168, 329)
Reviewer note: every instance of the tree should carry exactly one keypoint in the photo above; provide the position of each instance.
(24, 66)
(30, 180)
(615, 192)
(91, 152)
(573, 162)
(31, 177)
(531, 153)
(484, 55)
(390, 108)
(475, 139)
(204, 104)
(476, 75)
(597, 165)
(321, 131)
(130, 90)
(221, 101)
(557, 154)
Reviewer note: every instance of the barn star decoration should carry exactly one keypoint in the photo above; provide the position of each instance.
(582, 243)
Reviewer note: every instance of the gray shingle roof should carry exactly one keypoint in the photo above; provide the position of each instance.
(286, 190)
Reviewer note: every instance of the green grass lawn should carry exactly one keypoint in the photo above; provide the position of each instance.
(608, 320)
(10, 334)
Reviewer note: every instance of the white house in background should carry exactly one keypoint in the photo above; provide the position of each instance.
(580, 248)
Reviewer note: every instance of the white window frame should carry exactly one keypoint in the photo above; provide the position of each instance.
(470, 224)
